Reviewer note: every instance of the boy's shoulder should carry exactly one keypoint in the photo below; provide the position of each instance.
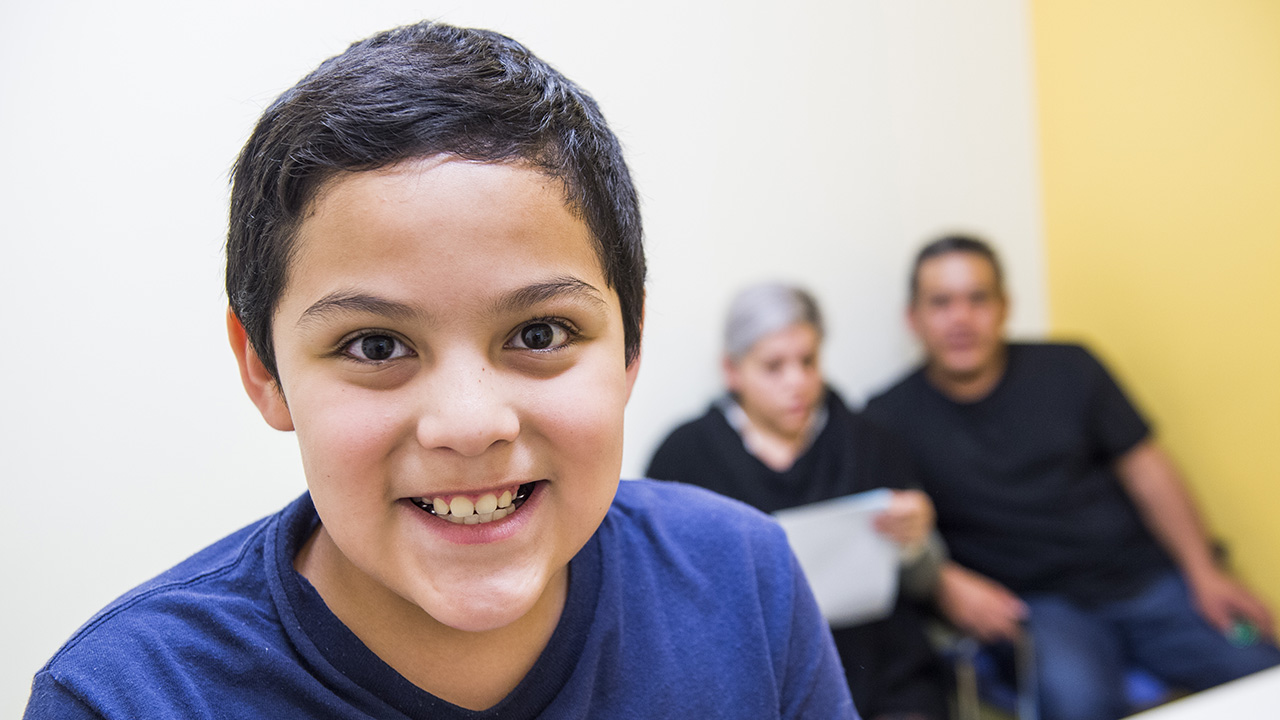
(703, 591)
(203, 575)
(675, 519)
(187, 623)
(681, 505)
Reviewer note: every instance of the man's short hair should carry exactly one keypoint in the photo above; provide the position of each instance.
(956, 244)
(418, 91)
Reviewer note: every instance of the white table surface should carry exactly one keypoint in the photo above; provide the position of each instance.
(1255, 696)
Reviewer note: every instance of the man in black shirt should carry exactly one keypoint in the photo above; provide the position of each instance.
(1063, 517)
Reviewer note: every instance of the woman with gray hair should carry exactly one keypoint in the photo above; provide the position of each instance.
(781, 438)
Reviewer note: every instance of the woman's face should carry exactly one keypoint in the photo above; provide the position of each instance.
(779, 380)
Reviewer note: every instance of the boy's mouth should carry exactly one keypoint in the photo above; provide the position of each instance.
(469, 510)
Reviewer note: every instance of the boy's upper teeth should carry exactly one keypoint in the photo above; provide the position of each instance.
(463, 509)
(461, 506)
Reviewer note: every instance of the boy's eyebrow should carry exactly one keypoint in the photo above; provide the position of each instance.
(563, 286)
(355, 302)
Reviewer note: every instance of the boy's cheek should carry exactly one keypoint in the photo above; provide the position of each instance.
(594, 401)
(347, 421)
(345, 424)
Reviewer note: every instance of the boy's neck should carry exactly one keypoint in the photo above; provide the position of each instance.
(473, 670)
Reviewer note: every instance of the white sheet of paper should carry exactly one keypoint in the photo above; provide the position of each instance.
(852, 569)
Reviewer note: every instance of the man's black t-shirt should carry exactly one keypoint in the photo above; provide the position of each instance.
(1023, 479)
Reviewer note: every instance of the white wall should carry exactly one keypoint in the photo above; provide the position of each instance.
(810, 140)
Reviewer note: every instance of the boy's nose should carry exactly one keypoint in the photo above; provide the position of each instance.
(468, 412)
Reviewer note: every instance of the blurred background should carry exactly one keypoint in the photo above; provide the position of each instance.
(1122, 155)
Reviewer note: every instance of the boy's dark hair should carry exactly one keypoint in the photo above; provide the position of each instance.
(953, 244)
(417, 91)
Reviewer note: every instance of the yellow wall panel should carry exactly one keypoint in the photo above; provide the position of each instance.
(1160, 140)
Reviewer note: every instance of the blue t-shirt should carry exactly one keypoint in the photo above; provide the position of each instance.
(683, 604)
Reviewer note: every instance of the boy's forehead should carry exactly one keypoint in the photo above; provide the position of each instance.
(432, 180)
(504, 210)
(338, 182)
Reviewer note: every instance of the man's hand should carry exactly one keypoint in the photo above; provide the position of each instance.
(908, 519)
(1223, 601)
(979, 605)
(1157, 488)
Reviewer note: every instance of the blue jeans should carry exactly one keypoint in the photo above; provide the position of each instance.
(1082, 654)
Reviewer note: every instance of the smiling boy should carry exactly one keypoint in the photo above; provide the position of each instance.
(435, 274)
(495, 379)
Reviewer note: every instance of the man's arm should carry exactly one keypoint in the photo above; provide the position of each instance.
(1153, 481)
(979, 605)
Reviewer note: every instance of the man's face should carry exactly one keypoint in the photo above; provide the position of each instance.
(958, 314)
(779, 380)
(452, 361)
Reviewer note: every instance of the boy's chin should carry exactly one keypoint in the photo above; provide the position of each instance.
(484, 604)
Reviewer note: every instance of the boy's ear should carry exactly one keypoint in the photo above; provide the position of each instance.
(633, 368)
(263, 389)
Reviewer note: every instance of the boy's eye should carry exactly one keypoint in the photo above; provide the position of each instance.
(541, 335)
(376, 348)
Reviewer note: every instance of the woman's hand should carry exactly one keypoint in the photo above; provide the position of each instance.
(908, 520)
